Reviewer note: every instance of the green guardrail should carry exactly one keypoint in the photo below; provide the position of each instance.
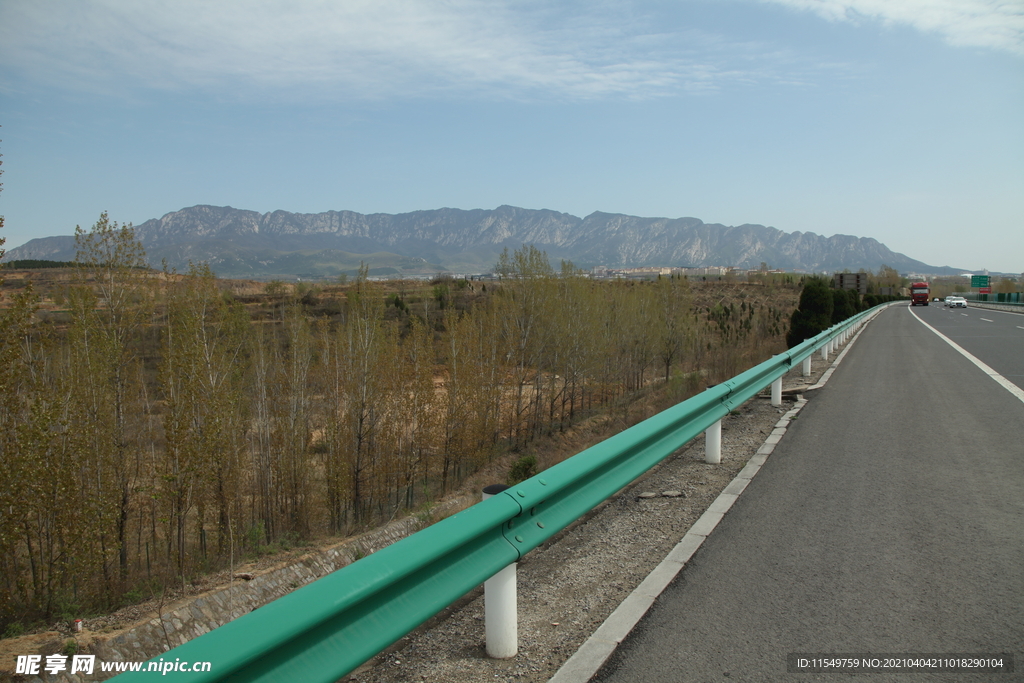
(1013, 300)
(1004, 305)
(325, 630)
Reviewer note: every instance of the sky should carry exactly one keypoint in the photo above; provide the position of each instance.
(901, 120)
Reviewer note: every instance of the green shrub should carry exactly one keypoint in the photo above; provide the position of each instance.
(522, 469)
(13, 630)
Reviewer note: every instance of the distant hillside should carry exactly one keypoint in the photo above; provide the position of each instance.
(239, 243)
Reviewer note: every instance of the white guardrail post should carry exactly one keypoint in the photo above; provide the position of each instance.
(777, 392)
(713, 443)
(501, 609)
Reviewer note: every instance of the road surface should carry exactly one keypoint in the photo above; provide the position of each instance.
(889, 520)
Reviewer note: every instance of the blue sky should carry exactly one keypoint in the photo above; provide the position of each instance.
(901, 120)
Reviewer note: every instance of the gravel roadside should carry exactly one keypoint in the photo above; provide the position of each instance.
(569, 586)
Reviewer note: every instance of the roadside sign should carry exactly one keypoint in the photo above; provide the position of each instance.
(985, 290)
(979, 281)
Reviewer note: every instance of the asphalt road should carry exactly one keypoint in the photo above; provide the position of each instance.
(890, 519)
(994, 337)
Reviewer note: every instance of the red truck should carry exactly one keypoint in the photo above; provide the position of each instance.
(919, 294)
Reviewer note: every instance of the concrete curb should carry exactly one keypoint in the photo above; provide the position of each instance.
(592, 655)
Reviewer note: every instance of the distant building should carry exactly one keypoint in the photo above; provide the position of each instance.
(851, 281)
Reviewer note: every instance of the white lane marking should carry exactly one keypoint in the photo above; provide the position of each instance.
(1002, 381)
(1019, 327)
(963, 314)
(985, 319)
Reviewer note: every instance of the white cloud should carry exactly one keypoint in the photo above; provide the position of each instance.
(367, 48)
(997, 24)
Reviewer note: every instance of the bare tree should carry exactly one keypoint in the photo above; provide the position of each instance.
(204, 424)
(108, 314)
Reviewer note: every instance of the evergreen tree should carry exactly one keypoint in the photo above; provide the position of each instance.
(841, 306)
(814, 312)
(854, 299)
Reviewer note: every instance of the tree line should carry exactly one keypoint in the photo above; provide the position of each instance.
(822, 305)
(164, 430)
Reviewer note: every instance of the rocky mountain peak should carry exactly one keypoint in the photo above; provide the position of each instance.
(241, 243)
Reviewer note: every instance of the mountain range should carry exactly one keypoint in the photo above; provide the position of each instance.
(246, 244)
